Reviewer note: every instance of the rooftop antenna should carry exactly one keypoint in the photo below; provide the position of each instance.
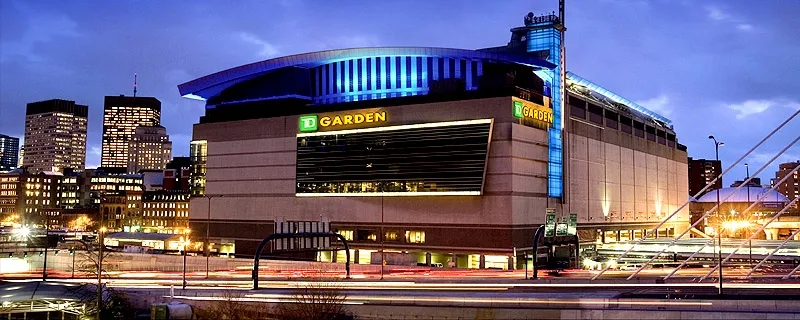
(134, 84)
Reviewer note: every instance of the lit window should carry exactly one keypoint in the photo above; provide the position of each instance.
(415, 236)
(347, 234)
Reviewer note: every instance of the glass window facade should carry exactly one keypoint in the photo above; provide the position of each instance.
(432, 159)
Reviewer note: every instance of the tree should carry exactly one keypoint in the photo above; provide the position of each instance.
(232, 307)
(315, 299)
(101, 301)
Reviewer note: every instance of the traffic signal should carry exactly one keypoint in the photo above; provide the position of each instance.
(10, 254)
(56, 253)
(41, 253)
(71, 252)
(25, 254)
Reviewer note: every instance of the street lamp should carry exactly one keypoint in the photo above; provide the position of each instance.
(206, 244)
(718, 144)
(184, 243)
(749, 239)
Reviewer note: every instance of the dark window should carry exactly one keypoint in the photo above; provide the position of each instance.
(360, 75)
(452, 64)
(430, 70)
(626, 124)
(335, 77)
(440, 62)
(366, 235)
(369, 73)
(577, 111)
(638, 129)
(595, 114)
(408, 72)
(343, 89)
(350, 75)
(437, 159)
(378, 74)
(474, 74)
(315, 81)
(398, 72)
(463, 64)
(662, 137)
(419, 72)
(388, 73)
(651, 133)
(671, 140)
(611, 120)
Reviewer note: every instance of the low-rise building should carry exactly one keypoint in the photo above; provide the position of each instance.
(165, 212)
(24, 196)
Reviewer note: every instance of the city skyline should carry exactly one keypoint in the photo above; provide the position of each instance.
(176, 44)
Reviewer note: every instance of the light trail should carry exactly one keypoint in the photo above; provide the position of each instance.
(417, 299)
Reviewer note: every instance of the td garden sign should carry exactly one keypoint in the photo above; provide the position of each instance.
(526, 110)
(311, 123)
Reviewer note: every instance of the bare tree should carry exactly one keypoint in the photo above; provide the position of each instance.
(232, 307)
(101, 301)
(315, 299)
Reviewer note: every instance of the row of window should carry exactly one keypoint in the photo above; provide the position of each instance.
(410, 236)
(610, 119)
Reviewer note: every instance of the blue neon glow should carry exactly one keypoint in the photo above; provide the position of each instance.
(398, 77)
(194, 97)
(615, 97)
(549, 39)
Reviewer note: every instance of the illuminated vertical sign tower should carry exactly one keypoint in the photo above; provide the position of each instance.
(544, 38)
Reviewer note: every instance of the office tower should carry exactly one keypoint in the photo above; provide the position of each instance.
(9, 151)
(791, 187)
(702, 172)
(121, 116)
(149, 149)
(55, 135)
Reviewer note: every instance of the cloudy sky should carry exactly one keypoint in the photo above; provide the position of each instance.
(722, 68)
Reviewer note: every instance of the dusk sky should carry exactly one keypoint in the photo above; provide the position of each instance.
(723, 68)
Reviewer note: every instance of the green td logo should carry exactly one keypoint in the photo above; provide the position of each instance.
(518, 109)
(308, 123)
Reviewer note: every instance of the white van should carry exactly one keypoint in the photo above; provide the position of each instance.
(630, 267)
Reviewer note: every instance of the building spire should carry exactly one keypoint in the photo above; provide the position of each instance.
(134, 84)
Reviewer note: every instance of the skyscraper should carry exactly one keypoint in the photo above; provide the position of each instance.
(55, 135)
(149, 149)
(9, 151)
(121, 116)
(702, 172)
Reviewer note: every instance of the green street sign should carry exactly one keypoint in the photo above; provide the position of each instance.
(550, 223)
(308, 123)
(572, 227)
(518, 109)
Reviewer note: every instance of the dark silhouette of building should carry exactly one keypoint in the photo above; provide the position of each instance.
(701, 172)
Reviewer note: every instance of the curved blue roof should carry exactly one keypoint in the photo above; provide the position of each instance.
(741, 195)
(208, 86)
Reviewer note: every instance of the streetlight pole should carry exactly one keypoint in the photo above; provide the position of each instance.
(749, 240)
(185, 241)
(46, 242)
(718, 144)
(207, 245)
